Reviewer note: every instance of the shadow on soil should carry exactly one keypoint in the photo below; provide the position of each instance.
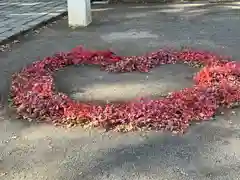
(171, 156)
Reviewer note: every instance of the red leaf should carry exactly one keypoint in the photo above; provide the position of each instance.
(217, 84)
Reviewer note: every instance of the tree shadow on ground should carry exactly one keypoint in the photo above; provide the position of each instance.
(197, 154)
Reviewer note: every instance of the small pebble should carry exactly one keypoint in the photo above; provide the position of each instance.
(3, 174)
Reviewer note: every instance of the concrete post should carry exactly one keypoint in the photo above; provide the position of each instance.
(79, 13)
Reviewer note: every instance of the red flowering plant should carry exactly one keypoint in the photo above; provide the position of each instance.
(217, 84)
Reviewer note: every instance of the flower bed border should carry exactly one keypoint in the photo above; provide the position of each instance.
(216, 84)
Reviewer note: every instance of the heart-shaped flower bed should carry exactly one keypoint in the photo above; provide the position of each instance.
(216, 85)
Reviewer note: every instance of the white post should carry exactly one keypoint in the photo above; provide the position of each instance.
(79, 13)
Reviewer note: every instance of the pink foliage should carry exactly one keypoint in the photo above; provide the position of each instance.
(216, 84)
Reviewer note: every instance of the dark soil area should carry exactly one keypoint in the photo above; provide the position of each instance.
(89, 83)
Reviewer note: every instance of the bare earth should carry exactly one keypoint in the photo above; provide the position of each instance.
(208, 151)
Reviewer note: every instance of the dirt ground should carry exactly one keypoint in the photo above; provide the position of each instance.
(207, 151)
